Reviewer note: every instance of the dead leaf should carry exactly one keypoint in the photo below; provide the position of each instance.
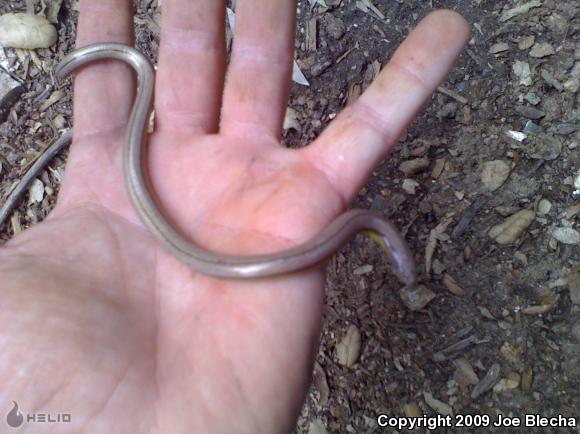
(452, 285)
(348, 350)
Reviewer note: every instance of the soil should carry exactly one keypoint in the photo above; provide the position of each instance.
(494, 328)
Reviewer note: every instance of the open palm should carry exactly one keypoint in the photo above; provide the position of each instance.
(98, 321)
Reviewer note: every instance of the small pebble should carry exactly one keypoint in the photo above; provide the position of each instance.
(544, 147)
(416, 297)
(544, 206)
(410, 186)
(532, 98)
(530, 112)
(532, 128)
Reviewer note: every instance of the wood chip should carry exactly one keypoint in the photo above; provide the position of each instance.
(291, 120)
(490, 379)
(523, 71)
(573, 280)
(451, 93)
(526, 42)
(541, 49)
(410, 186)
(311, 34)
(15, 223)
(368, 7)
(317, 427)
(495, 173)
(571, 212)
(321, 384)
(513, 227)
(468, 215)
(412, 410)
(436, 234)
(527, 379)
(354, 91)
(538, 309)
(438, 168)
(55, 97)
(499, 47)
(52, 10)
(36, 192)
(511, 382)
(452, 285)
(439, 406)
(464, 374)
(10, 91)
(411, 167)
(566, 235)
(445, 353)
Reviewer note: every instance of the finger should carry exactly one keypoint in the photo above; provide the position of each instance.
(360, 137)
(191, 66)
(258, 79)
(103, 91)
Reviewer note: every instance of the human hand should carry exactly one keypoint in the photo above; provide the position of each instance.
(99, 321)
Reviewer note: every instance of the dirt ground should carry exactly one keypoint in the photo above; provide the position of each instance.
(485, 185)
